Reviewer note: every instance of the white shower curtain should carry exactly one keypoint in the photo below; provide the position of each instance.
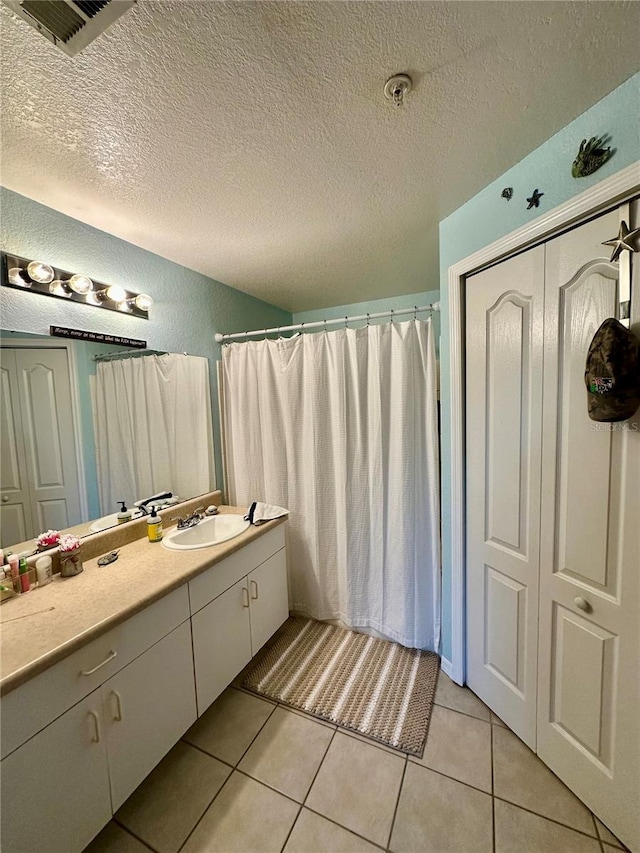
(341, 428)
(153, 428)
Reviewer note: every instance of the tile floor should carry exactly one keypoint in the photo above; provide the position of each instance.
(255, 777)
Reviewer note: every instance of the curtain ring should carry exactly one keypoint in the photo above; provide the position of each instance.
(392, 313)
(345, 322)
(325, 325)
(415, 312)
(367, 318)
(302, 328)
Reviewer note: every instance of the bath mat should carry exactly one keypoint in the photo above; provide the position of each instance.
(374, 687)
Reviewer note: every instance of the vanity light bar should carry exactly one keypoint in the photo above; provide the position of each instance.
(42, 278)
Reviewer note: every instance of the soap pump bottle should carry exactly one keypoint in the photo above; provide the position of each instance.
(154, 526)
(124, 514)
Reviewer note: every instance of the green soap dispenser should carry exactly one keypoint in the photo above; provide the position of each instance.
(124, 514)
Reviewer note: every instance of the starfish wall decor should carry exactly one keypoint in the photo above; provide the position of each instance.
(534, 200)
(622, 243)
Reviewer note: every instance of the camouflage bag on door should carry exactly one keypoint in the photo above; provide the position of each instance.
(612, 374)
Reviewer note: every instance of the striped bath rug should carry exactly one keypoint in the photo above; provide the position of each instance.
(375, 687)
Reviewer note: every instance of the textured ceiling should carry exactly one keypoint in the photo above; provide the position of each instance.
(252, 142)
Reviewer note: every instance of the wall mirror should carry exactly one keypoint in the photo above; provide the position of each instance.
(85, 425)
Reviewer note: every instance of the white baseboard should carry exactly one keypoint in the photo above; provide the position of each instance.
(447, 667)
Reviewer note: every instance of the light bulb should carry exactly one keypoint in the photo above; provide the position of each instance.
(59, 288)
(116, 293)
(16, 276)
(124, 306)
(81, 284)
(143, 302)
(42, 273)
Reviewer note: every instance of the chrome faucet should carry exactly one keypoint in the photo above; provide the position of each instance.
(191, 520)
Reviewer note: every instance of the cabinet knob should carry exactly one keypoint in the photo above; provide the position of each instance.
(245, 597)
(5, 499)
(582, 604)
(254, 585)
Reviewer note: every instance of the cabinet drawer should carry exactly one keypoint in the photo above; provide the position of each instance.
(224, 574)
(32, 706)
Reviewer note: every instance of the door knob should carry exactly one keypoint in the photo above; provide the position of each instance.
(582, 604)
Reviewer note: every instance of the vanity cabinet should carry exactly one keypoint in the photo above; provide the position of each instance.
(242, 601)
(62, 785)
(55, 788)
(79, 738)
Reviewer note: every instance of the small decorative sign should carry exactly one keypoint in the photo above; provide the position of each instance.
(96, 337)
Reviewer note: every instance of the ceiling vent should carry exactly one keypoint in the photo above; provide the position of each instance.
(70, 24)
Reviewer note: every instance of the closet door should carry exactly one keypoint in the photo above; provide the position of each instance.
(504, 311)
(589, 703)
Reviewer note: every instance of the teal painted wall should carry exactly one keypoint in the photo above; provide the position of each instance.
(487, 217)
(356, 309)
(189, 308)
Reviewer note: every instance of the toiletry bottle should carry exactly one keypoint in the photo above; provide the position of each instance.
(43, 571)
(14, 572)
(124, 514)
(154, 526)
(23, 570)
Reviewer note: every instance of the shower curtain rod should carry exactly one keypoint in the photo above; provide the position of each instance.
(435, 306)
(127, 353)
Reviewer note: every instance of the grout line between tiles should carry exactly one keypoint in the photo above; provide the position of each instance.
(304, 799)
(137, 837)
(197, 823)
(595, 825)
(546, 817)
(346, 828)
(193, 829)
(395, 811)
(453, 778)
(493, 799)
(464, 713)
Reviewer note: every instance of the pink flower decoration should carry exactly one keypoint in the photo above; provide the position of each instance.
(68, 542)
(49, 539)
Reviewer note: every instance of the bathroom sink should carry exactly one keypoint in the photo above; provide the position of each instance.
(209, 531)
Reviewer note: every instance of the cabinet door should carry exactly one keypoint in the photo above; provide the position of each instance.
(148, 706)
(221, 642)
(269, 599)
(55, 787)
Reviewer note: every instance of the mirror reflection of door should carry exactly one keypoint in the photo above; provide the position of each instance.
(39, 472)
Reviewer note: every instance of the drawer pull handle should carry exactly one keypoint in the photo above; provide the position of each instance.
(96, 727)
(118, 715)
(582, 604)
(245, 597)
(256, 596)
(108, 658)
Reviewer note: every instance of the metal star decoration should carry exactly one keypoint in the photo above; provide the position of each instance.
(534, 201)
(622, 242)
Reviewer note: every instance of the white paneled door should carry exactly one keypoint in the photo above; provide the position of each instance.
(553, 525)
(504, 396)
(39, 467)
(589, 681)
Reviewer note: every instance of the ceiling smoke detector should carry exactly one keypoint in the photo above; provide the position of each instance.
(70, 24)
(397, 87)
